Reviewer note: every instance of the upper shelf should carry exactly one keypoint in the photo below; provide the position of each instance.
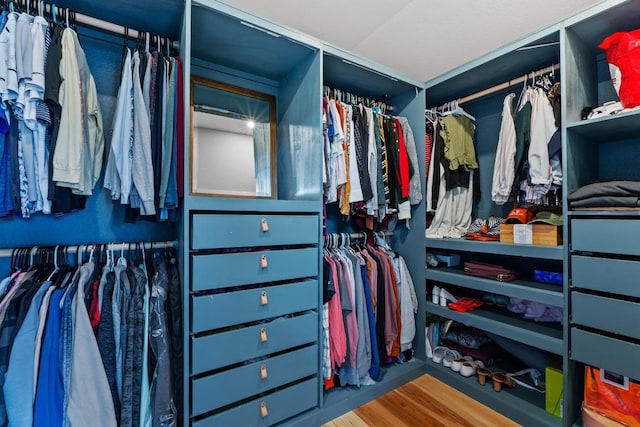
(231, 38)
(159, 17)
(343, 70)
(600, 21)
(528, 251)
(615, 127)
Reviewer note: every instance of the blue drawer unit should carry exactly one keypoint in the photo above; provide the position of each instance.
(230, 308)
(216, 391)
(616, 276)
(235, 269)
(610, 353)
(226, 348)
(614, 236)
(215, 231)
(608, 314)
(268, 410)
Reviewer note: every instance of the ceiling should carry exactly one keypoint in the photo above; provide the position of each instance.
(420, 38)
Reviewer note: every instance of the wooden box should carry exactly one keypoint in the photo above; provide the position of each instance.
(532, 234)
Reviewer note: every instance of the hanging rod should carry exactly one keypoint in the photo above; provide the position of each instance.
(337, 94)
(72, 249)
(506, 84)
(106, 26)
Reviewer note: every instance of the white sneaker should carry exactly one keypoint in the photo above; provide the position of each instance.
(468, 369)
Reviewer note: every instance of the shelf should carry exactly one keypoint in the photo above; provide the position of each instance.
(541, 292)
(520, 404)
(498, 248)
(508, 325)
(615, 127)
(599, 213)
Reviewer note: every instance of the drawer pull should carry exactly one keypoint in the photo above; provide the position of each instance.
(263, 334)
(263, 409)
(263, 298)
(263, 261)
(264, 224)
(263, 372)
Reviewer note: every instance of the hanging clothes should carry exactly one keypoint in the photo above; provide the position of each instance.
(60, 371)
(504, 165)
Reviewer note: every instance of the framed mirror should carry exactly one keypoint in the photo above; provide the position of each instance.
(233, 141)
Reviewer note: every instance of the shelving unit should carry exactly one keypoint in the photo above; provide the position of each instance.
(502, 65)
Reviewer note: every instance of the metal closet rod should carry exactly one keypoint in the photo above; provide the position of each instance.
(97, 23)
(505, 85)
(72, 249)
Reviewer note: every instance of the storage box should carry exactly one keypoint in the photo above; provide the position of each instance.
(531, 234)
(553, 388)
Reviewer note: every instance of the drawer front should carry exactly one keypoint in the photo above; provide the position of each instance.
(609, 314)
(218, 350)
(225, 270)
(232, 308)
(608, 275)
(616, 236)
(611, 354)
(214, 231)
(278, 406)
(248, 380)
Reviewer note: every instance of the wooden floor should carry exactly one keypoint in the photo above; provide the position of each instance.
(424, 402)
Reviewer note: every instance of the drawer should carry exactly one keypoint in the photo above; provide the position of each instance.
(609, 353)
(214, 231)
(225, 270)
(231, 308)
(226, 348)
(609, 314)
(247, 381)
(608, 275)
(279, 406)
(616, 236)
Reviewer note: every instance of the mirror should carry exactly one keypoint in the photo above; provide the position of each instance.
(233, 136)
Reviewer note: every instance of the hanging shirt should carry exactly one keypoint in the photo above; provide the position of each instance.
(77, 161)
(118, 176)
(504, 165)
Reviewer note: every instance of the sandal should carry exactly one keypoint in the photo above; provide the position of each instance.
(500, 378)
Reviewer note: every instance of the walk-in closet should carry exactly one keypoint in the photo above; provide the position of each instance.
(230, 221)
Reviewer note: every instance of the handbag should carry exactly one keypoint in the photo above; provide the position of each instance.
(489, 271)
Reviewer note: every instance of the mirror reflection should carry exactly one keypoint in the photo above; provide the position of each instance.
(233, 141)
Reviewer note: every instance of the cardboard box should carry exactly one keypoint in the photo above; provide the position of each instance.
(553, 388)
(531, 234)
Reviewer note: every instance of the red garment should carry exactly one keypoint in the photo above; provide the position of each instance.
(337, 334)
(180, 129)
(94, 307)
(403, 162)
(428, 147)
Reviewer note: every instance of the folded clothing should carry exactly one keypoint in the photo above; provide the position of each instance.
(608, 193)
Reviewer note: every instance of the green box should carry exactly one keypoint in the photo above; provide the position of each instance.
(553, 388)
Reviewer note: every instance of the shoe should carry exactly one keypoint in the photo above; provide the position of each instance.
(438, 354)
(435, 295)
(446, 296)
(469, 368)
(465, 304)
(500, 379)
(457, 364)
(449, 357)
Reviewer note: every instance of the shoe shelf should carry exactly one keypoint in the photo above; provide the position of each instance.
(497, 248)
(617, 126)
(542, 335)
(534, 291)
(523, 405)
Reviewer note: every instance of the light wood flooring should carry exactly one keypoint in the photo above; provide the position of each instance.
(424, 402)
